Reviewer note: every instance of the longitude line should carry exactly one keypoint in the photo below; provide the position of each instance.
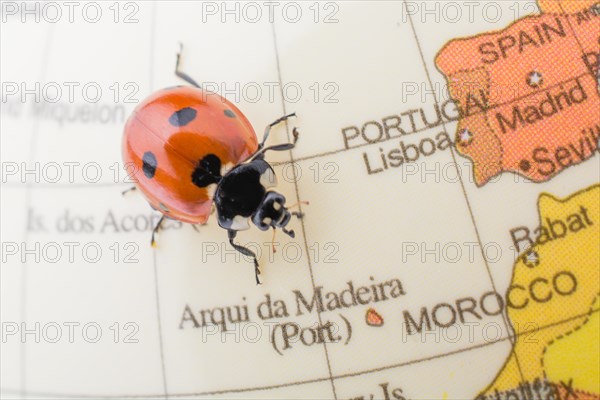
(29, 194)
(573, 30)
(462, 185)
(28, 203)
(302, 225)
(154, 261)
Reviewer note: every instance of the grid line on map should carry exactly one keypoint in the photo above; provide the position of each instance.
(28, 202)
(58, 185)
(154, 260)
(331, 377)
(299, 202)
(574, 32)
(462, 184)
(509, 337)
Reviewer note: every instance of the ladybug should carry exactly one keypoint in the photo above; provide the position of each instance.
(194, 150)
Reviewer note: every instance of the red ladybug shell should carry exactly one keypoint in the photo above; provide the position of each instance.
(166, 137)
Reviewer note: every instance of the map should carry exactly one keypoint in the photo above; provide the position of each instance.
(447, 172)
(564, 261)
(531, 107)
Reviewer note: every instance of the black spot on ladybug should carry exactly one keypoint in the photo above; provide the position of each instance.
(207, 171)
(182, 117)
(229, 113)
(149, 164)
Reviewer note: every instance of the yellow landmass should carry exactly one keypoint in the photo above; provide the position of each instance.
(562, 261)
(565, 6)
(579, 351)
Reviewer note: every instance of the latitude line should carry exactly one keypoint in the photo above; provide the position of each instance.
(297, 194)
(299, 202)
(509, 337)
(426, 128)
(494, 106)
(324, 379)
(463, 188)
(13, 185)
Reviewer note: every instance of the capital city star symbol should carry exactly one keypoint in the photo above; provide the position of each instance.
(532, 259)
(466, 137)
(535, 79)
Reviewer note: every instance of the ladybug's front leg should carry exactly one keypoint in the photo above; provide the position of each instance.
(260, 153)
(271, 125)
(245, 251)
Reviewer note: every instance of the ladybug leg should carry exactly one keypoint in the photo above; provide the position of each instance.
(271, 125)
(181, 74)
(195, 226)
(131, 189)
(273, 241)
(290, 233)
(298, 214)
(245, 251)
(259, 154)
(303, 202)
(200, 225)
(155, 231)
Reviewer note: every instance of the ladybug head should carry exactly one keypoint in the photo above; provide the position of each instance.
(272, 213)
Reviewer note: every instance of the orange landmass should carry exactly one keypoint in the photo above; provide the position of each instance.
(542, 390)
(528, 95)
(566, 392)
(565, 6)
